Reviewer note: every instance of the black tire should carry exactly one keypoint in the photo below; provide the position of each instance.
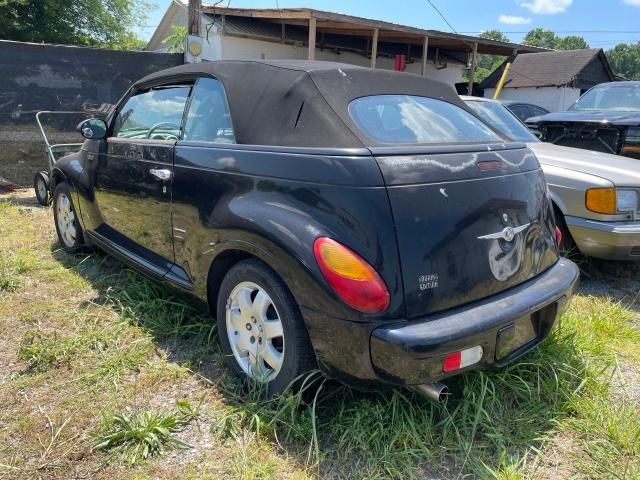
(298, 355)
(70, 243)
(41, 186)
(567, 245)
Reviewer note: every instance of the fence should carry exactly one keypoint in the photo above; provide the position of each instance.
(59, 77)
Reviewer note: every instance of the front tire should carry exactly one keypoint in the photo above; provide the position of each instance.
(262, 334)
(66, 220)
(41, 186)
(567, 245)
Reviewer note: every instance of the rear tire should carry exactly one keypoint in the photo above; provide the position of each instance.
(66, 220)
(262, 334)
(41, 186)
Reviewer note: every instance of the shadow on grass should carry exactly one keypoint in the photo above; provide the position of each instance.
(491, 422)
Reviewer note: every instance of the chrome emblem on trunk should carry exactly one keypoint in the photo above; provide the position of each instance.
(508, 233)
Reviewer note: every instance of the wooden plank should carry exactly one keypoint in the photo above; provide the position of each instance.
(195, 7)
(425, 51)
(312, 39)
(374, 48)
(472, 73)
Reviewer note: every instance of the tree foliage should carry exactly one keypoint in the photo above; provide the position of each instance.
(625, 60)
(538, 37)
(176, 40)
(488, 63)
(572, 42)
(105, 23)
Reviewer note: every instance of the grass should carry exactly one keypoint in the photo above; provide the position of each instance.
(102, 370)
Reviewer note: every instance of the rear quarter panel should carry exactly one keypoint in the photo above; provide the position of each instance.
(274, 204)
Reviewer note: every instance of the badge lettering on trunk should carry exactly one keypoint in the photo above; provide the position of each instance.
(428, 281)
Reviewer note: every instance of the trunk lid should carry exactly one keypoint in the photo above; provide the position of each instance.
(469, 223)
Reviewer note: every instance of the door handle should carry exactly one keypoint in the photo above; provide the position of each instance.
(163, 174)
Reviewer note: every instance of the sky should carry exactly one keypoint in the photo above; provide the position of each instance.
(603, 23)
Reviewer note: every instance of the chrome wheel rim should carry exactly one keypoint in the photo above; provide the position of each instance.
(42, 189)
(66, 220)
(254, 330)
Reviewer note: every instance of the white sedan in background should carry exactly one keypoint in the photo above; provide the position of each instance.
(596, 196)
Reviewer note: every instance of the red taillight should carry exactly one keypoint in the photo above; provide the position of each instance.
(457, 360)
(452, 362)
(558, 236)
(352, 278)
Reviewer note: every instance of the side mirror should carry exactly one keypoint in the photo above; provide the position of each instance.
(93, 128)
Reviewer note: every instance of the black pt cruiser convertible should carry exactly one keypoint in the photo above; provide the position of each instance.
(358, 220)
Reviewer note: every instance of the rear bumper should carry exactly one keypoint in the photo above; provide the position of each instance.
(606, 240)
(412, 352)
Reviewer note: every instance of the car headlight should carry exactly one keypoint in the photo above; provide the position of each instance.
(633, 136)
(610, 201)
(627, 200)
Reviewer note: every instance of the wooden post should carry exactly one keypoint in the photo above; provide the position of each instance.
(312, 38)
(195, 7)
(472, 73)
(374, 48)
(425, 50)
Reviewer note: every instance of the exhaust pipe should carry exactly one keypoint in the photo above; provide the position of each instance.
(433, 391)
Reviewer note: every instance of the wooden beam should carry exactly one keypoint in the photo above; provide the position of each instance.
(472, 73)
(425, 51)
(312, 38)
(195, 7)
(374, 48)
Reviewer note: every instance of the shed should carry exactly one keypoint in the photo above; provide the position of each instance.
(552, 80)
(305, 33)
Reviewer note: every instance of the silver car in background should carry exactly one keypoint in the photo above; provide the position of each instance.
(596, 196)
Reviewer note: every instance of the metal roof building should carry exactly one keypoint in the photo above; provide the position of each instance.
(552, 80)
(316, 34)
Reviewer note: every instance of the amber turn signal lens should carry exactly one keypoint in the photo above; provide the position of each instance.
(351, 277)
(601, 200)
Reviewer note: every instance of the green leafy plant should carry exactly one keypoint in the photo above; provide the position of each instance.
(176, 39)
(143, 434)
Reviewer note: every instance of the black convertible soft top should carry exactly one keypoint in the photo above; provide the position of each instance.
(301, 103)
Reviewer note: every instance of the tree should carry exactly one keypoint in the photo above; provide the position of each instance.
(625, 60)
(176, 40)
(572, 42)
(539, 37)
(488, 63)
(105, 23)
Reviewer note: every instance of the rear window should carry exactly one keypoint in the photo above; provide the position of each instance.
(407, 119)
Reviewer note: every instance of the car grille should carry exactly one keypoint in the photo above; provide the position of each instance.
(635, 251)
(589, 137)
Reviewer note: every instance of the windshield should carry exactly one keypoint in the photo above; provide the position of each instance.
(406, 119)
(502, 119)
(619, 97)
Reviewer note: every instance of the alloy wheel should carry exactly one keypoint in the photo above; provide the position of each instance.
(66, 221)
(254, 330)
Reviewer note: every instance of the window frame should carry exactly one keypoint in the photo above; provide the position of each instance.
(188, 109)
(133, 91)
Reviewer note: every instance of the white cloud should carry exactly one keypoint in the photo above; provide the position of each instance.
(514, 20)
(635, 3)
(549, 6)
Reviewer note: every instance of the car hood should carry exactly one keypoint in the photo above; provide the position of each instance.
(614, 118)
(621, 171)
